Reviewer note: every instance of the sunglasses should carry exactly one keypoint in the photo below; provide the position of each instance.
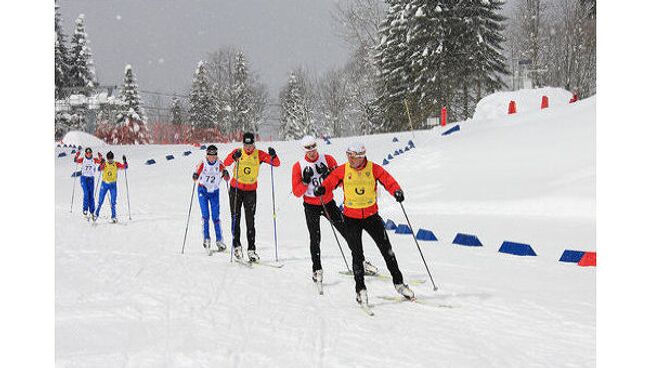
(310, 147)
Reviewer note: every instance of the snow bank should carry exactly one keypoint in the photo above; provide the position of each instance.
(495, 105)
(77, 138)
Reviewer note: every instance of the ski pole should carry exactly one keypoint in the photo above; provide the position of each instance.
(188, 217)
(233, 209)
(126, 179)
(73, 186)
(418, 245)
(275, 231)
(334, 231)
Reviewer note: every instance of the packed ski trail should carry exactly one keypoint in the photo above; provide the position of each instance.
(125, 296)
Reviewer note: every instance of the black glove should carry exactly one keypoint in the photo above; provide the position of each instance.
(79, 148)
(321, 168)
(102, 160)
(399, 195)
(236, 155)
(307, 173)
(225, 174)
(124, 158)
(195, 176)
(319, 190)
(272, 152)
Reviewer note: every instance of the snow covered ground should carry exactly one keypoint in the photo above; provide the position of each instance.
(125, 296)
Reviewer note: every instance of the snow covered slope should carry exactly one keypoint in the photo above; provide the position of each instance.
(84, 139)
(494, 106)
(125, 296)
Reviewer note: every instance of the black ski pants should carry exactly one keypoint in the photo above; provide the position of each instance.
(247, 198)
(374, 226)
(312, 215)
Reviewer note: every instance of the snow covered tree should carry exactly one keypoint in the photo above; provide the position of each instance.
(294, 116)
(176, 111)
(130, 96)
(202, 108)
(82, 68)
(61, 57)
(241, 118)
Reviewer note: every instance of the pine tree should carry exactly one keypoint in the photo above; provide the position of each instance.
(202, 111)
(61, 57)
(176, 110)
(82, 69)
(130, 97)
(294, 117)
(241, 98)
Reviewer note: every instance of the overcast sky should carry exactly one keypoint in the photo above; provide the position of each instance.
(164, 39)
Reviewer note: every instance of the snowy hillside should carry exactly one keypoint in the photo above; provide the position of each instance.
(125, 296)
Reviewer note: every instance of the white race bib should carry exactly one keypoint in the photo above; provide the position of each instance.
(317, 179)
(210, 175)
(88, 167)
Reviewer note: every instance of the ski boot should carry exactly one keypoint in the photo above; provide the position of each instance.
(220, 246)
(238, 253)
(113, 220)
(86, 215)
(403, 290)
(362, 297)
(94, 217)
(369, 269)
(252, 256)
(317, 276)
(207, 247)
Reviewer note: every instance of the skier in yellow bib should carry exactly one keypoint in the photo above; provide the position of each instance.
(109, 182)
(243, 189)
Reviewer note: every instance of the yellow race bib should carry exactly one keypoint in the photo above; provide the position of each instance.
(249, 167)
(109, 174)
(359, 187)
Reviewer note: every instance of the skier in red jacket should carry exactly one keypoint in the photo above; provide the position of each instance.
(308, 173)
(359, 178)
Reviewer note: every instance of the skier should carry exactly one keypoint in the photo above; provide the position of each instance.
(359, 178)
(307, 174)
(209, 172)
(109, 182)
(87, 179)
(243, 189)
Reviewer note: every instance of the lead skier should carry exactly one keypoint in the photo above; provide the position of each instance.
(87, 180)
(359, 177)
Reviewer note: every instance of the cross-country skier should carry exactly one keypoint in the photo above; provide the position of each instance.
(308, 173)
(109, 182)
(87, 179)
(243, 189)
(209, 172)
(358, 178)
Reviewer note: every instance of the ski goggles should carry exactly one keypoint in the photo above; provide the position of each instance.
(310, 147)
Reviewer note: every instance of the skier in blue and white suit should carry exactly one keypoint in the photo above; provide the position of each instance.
(209, 172)
(87, 179)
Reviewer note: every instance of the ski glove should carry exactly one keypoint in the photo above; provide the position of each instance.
(319, 190)
(272, 153)
(124, 159)
(236, 155)
(225, 174)
(399, 195)
(322, 169)
(195, 176)
(307, 173)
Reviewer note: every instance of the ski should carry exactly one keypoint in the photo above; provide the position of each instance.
(268, 264)
(319, 287)
(366, 309)
(383, 277)
(401, 299)
(243, 262)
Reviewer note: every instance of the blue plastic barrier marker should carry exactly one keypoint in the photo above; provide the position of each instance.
(424, 234)
(62, 154)
(187, 153)
(517, 249)
(203, 147)
(395, 139)
(403, 229)
(169, 157)
(150, 162)
(73, 151)
(452, 130)
(467, 240)
(396, 153)
(385, 162)
(571, 256)
(390, 225)
(390, 157)
(407, 148)
(400, 151)
(411, 144)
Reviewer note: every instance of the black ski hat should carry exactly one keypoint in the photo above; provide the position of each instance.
(249, 138)
(88, 149)
(212, 150)
(109, 155)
